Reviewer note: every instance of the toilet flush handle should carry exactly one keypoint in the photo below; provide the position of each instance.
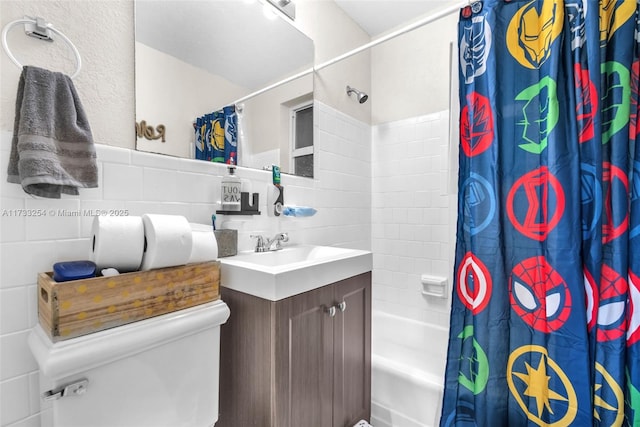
(79, 387)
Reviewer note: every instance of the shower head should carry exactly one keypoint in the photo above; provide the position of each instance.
(362, 97)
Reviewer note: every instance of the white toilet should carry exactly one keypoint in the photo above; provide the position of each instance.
(162, 371)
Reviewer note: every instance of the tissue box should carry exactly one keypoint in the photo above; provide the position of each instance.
(227, 242)
(79, 307)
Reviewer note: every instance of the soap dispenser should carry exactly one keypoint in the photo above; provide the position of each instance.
(230, 194)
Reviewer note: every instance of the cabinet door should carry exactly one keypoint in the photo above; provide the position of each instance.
(352, 365)
(304, 359)
(246, 356)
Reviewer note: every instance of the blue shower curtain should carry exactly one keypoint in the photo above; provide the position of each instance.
(546, 307)
(216, 136)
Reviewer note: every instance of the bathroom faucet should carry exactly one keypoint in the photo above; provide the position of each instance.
(264, 244)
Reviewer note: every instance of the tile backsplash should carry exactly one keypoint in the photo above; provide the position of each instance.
(141, 183)
(413, 216)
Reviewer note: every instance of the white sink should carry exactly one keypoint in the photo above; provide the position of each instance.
(292, 270)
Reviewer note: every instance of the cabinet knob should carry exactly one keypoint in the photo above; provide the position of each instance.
(342, 306)
(331, 311)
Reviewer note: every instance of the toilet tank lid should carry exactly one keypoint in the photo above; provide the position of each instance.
(65, 358)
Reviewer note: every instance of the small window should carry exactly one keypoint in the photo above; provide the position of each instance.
(302, 140)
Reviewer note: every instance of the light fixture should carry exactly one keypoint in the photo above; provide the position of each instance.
(286, 7)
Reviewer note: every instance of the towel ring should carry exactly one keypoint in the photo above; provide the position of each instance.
(11, 24)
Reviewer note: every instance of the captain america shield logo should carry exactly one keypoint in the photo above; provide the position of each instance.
(474, 283)
(535, 203)
(611, 322)
(539, 294)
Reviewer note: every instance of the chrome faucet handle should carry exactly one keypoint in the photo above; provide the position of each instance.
(264, 244)
(260, 246)
(278, 238)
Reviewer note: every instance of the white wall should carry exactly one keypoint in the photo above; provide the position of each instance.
(334, 33)
(173, 93)
(409, 74)
(413, 216)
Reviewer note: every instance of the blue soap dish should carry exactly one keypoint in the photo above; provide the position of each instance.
(73, 270)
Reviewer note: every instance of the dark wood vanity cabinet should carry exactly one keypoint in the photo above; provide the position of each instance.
(300, 361)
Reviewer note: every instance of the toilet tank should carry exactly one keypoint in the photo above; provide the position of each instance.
(163, 371)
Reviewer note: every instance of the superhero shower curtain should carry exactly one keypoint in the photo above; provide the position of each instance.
(216, 136)
(545, 321)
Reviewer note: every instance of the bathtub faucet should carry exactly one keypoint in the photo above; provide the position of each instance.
(264, 244)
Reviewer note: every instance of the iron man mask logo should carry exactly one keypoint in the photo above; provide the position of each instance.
(532, 30)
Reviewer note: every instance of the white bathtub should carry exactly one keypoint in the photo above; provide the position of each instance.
(407, 378)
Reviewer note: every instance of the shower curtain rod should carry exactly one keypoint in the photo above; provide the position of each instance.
(280, 83)
(424, 21)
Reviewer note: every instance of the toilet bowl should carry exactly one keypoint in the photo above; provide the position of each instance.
(162, 371)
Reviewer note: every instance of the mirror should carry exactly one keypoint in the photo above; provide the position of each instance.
(194, 57)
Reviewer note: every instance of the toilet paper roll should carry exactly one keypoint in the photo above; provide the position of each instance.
(204, 246)
(117, 242)
(168, 241)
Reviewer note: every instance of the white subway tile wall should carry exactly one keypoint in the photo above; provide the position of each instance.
(413, 216)
(147, 183)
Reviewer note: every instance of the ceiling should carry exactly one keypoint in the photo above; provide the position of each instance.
(193, 20)
(379, 16)
(193, 23)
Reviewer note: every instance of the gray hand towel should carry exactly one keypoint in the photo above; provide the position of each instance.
(52, 149)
